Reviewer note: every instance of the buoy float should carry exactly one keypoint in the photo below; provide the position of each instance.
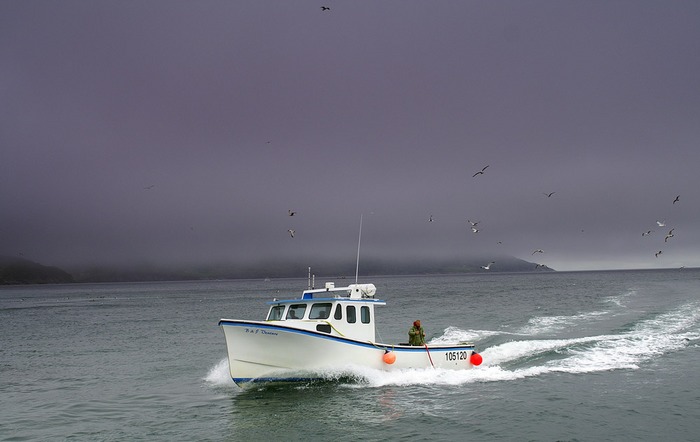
(476, 359)
(389, 357)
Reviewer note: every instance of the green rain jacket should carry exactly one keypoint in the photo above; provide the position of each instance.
(416, 336)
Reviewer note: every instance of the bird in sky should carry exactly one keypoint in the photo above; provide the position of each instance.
(325, 8)
(430, 220)
(475, 230)
(473, 223)
(291, 232)
(538, 251)
(658, 253)
(669, 235)
(648, 232)
(549, 195)
(481, 172)
(677, 199)
(488, 266)
(149, 187)
(291, 212)
(537, 266)
(661, 223)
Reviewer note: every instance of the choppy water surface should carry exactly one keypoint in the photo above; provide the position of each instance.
(567, 356)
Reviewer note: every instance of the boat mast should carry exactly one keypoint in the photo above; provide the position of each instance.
(359, 239)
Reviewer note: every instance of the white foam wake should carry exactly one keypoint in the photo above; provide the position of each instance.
(219, 374)
(551, 324)
(647, 340)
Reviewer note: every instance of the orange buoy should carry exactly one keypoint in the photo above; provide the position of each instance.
(389, 357)
(476, 359)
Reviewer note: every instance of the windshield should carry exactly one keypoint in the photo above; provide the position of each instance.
(320, 311)
(296, 311)
(275, 313)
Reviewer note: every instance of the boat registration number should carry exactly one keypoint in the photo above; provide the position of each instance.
(457, 355)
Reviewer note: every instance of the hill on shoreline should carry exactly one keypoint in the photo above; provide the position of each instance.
(22, 271)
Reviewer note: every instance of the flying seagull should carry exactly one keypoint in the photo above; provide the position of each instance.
(481, 172)
(669, 235)
(488, 266)
(549, 195)
(648, 232)
(149, 187)
(475, 230)
(658, 253)
(678, 198)
(325, 8)
(473, 223)
(537, 266)
(291, 212)
(538, 251)
(661, 223)
(291, 232)
(430, 220)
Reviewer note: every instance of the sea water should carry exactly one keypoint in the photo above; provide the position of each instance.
(570, 356)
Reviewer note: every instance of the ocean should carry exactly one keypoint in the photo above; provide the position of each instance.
(568, 356)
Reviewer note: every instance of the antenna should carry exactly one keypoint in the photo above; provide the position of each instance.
(359, 239)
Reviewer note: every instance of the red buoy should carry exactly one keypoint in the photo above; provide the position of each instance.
(389, 357)
(476, 359)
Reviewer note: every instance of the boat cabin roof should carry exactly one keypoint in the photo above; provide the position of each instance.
(353, 292)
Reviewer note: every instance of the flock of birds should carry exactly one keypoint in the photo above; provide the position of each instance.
(668, 235)
(473, 225)
(474, 228)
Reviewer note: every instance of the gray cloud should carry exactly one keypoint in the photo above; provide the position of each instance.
(173, 131)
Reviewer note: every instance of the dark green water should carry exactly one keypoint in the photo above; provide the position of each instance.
(567, 356)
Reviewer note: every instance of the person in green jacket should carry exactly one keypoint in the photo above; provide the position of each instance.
(416, 335)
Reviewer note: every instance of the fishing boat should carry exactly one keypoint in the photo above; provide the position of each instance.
(329, 328)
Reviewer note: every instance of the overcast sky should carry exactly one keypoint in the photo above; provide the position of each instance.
(171, 131)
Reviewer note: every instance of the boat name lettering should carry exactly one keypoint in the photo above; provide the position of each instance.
(255, 331)
(457, 355)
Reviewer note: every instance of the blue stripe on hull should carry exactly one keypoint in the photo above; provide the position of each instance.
(239, 381)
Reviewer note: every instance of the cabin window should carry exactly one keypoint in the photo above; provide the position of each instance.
(364, 314)
(338, 312)
(275, 313)
(320, 311)
(351, 314)
(296, 311)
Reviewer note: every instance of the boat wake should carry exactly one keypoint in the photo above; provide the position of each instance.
(640, 343)
(553, 324)
(219, 376)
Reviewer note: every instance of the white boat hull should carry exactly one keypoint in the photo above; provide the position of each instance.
(269, 351)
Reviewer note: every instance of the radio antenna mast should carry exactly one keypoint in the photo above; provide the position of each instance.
(359, 239)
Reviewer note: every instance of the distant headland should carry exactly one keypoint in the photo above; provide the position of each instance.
(22, 271)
